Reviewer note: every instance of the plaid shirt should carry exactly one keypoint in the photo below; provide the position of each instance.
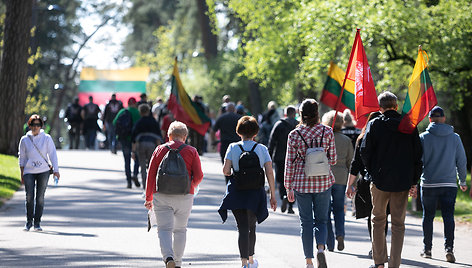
(295, 165)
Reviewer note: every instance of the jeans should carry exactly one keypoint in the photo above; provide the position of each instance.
(246, 220)
(447, 198)
(126, 148)
(338, 193)
(313, 209)
(74, 135)
(172, 213)
(111, 135)
(34, 212)
(90, 136)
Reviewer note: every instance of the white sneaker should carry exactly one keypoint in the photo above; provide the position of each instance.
(253, 265)
(310, 266)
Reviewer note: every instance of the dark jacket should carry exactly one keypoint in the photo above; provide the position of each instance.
(146, 125)
(392, 158)
(278, 138)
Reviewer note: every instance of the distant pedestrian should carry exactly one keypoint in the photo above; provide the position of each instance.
(167, 119)
(312, 193)
(393, 161)
(143, 100)
(267, 123)
(90, 115)
(111, 110)
(248, 206)
(348, 127)
(443, 161)
(172, 211)
(145, 136)
(344, 152)
(124, 122)
(157, 108)
(278, 149)
(74, 118)
(36, 150)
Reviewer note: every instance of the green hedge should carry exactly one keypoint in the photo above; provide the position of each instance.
(10, 179)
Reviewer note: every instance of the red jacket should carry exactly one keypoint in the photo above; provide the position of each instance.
(192, 161)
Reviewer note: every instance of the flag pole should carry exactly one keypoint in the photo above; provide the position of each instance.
(345, 77)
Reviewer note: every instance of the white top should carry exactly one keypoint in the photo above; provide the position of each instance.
(30, 159)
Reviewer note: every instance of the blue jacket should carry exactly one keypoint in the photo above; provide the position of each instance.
(443, 157)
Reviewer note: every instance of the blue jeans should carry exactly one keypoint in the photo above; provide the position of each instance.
(126, 148)
(313, 209)
(90, 136)
(111, 135)
(447, 198)
(338, 193)
(40, 180)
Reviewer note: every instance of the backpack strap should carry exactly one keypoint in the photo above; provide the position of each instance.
(254, 147)
(303, 139)
(242, 149)
(321, 141)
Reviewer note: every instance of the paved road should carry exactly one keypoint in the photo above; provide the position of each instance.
(92, 220)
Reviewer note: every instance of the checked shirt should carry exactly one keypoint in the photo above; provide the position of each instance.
(295, 178)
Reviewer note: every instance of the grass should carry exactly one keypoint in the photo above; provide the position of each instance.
(10, 179)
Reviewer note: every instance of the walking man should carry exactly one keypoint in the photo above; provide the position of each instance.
(393, 160)
(75, 121)
(111, 110)
(90, 114)
(443, 159)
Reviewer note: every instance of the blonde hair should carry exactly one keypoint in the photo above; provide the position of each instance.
(178, 130)
(348, 121)
(328, 118)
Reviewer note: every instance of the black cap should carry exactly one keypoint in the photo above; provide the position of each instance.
(436, 112)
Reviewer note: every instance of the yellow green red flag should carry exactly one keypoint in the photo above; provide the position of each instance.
(332, 89)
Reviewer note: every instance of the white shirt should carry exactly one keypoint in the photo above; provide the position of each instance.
(30, 159)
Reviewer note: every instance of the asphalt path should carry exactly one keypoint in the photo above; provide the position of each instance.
(92, 220)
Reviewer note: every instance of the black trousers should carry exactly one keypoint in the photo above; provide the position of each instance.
(246, 221)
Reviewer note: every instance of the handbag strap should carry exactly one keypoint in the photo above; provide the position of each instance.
(47, 162)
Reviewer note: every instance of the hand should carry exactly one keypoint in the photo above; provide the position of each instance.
(133, 155)
(413, 191)
(148, 204)
(273, 203)
(57, 175)
(350, 191)
(464, 188)
(291, 196)
(22, 180)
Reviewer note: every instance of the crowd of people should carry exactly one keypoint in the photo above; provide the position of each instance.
(314, 161)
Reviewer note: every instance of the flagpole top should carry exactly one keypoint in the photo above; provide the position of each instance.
(420, 48)
(358, 29)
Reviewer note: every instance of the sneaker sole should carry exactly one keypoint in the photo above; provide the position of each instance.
(450, 258)
(321, 260)
(170, 264)
(340, 243)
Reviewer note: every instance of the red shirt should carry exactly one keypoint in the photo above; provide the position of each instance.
(295, 165)
(192, 161)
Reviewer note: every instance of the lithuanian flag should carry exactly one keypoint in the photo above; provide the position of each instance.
(332, 89)
(183, 108)
(100, 84)
(420, 98)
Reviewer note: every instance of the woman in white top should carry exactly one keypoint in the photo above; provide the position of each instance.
(35, 148)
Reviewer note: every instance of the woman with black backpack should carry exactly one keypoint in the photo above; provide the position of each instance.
(245, 194)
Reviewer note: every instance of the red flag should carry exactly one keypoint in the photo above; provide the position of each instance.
(358, 70)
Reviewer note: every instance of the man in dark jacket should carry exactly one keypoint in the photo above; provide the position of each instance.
(393, 161)
(278, 149)
(111, 110)
(75, 120)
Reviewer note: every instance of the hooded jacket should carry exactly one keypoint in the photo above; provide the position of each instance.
(29, 157)
(443, 157)
(392, 158)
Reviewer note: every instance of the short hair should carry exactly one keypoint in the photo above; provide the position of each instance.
(247, 126)
(387, 100)
(271, 105)
(35, 117)
(309, 112)
(144, 109)
(230, 107)
(226, 98)
(328, 118)
(177, 129)
(290, 110)
(348, 122)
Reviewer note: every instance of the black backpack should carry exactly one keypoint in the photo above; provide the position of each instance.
(250, 175)
(124, 124)
(172, 175)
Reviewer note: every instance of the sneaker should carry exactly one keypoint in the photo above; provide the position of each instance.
(310, 266)
(38, 228)
(253, 265)
(340, 240)
(426, 254)
(135, 180)
(129, 185)
(321, 260)
(283, 208)
(170, 263)
(28, 226)
(290, 210)
(450, 255)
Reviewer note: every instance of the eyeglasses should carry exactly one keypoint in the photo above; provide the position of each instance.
(36, 125)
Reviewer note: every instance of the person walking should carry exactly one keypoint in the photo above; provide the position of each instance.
(74, 118)
(172, 211)
(248, 206)
(124, 122)
(344, 152)
(348, 127)
(35, 148)
(145, 136)
(312, 193)
(90, 116)
(393, 161)
(443, 161)
(111, 110)
(278, 149)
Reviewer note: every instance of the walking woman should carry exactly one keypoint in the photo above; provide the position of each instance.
(313, 193)
(248, 206)
(35, 148)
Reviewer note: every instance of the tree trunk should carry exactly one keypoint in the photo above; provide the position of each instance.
(14, 73)
(255, 98)
(209, 40)
(461, 121)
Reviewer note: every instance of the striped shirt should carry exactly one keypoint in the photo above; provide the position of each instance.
(295, 178)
